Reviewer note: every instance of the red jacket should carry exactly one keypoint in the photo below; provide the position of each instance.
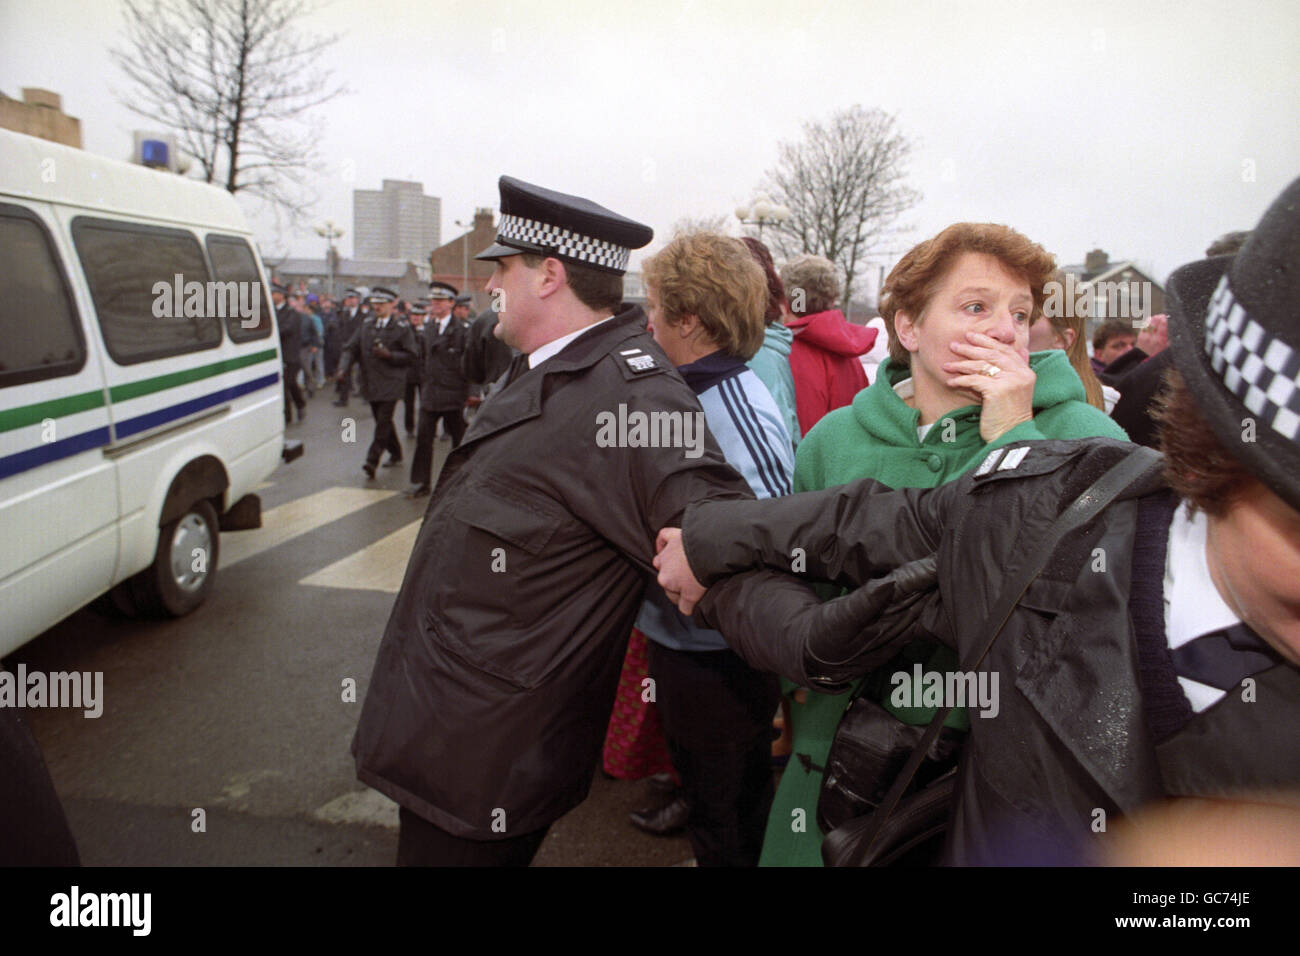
(824, 360)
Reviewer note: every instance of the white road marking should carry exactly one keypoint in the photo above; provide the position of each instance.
(379, 567)
(298, 517)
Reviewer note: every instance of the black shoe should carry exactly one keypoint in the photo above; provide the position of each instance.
(417, 491)
(665, 821)
(392, 462)
(661, 787)
(302, 413)
(369, 469)
(339, 404)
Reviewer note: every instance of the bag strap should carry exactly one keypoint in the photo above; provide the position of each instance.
(848, 844)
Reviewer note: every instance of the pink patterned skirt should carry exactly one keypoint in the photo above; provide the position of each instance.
(634, 743)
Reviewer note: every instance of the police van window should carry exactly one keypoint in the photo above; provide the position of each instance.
(40, 334)
(232, 261)
(150, 287)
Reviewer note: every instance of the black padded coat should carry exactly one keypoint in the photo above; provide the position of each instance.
(1070, 736)
(495, 678)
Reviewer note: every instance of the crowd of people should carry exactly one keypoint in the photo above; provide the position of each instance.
(853, 531)
(989, 621)
(424, 354)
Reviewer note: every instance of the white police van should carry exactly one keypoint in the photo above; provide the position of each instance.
(134, 425)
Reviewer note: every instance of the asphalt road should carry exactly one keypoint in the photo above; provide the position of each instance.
(238, 710)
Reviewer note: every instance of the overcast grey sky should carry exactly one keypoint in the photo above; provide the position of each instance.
(1144, 128)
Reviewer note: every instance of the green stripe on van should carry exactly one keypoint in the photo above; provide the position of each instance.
(69, 405)
(55, 408)
(147, 386)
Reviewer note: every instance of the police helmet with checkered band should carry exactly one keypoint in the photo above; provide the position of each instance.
(1234, 328)
(553, 224)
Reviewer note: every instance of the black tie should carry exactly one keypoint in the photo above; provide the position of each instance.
(1224, 658)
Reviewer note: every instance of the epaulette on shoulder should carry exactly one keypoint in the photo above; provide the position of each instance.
(1026, 460)
(636, 363)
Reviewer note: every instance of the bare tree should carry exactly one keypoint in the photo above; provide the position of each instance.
(843, 184)
(233, 80)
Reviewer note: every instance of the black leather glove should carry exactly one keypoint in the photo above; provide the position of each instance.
(855, 633)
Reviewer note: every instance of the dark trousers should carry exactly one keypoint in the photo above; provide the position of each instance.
(348, 385)
(454, 423)
(410, 406)
(420, 843)
(385, 433)
(717, 716)
(292, 391)
(422, 462)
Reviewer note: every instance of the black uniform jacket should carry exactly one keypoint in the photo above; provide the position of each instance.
(442, 383)
(415, 370)
(495, 678)
(289, 323)
(1069, 737)
(349, 322)
(486, 356)
(382, 379)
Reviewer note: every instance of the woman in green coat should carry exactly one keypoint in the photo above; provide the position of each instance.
(960, 381)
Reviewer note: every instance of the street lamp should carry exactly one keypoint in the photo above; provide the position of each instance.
(330, 232)
(761, 211)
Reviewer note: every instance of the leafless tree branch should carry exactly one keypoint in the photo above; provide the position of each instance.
(844, 186)
(234, 81)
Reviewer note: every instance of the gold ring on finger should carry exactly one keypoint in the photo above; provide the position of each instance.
(992, 371)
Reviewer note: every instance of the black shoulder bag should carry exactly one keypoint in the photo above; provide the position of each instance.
(891, 830)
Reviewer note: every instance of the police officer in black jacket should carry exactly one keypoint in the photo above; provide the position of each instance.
(495, 679)
(289, 321)
(350, 317)
(384, 346)
(443, 388)
(417, 315)
(486, 356)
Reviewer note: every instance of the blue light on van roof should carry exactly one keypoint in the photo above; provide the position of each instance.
(153, 152)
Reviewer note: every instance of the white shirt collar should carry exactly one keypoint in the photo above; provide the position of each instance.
(1193, 605)
(442, 323)
(542, 353)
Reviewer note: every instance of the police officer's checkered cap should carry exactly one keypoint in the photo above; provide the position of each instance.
(535, 219)
(1234, 331)
(1257, 366)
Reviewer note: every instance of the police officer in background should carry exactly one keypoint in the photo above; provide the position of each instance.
(351, 316)
(417, 313)
(289, 322)
(486, 357)
(443, 388)
(495, 679)
(384, 346)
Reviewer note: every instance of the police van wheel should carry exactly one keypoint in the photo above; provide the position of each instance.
(184, 567)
